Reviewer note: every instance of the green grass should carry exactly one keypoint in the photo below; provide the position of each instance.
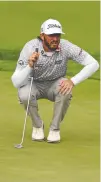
(75, 159)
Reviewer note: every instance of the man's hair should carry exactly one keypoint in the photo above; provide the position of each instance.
(38, 37)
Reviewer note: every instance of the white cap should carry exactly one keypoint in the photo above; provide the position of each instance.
(51, 26)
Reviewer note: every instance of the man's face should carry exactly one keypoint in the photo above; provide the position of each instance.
(51, 41)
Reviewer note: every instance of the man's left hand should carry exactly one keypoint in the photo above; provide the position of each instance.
(65, 86)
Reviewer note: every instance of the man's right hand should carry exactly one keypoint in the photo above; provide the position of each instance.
(33, 58)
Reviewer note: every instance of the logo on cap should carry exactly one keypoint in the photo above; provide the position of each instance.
(53, 26)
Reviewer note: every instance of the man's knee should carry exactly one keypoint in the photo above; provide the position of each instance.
(67, 96)
(64, 98)
(23, 96)
(23, 93)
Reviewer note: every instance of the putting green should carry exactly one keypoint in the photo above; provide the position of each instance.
(75, 159)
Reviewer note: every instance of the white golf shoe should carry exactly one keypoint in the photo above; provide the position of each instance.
(38, 134)
(54, 136)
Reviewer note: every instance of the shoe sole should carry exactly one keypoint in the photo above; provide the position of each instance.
(58, 141)
(38, 140)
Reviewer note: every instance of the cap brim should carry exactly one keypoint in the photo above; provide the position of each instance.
(54, 31)
(50, 33)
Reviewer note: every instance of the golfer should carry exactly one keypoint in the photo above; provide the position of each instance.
(48, 68)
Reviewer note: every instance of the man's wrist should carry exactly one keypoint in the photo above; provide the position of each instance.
(72, 82)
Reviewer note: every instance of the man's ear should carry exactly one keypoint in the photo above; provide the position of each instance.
(42, 36)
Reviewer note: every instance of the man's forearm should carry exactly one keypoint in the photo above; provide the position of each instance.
(91, 66)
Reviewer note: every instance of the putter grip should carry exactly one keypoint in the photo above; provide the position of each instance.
(36, 50)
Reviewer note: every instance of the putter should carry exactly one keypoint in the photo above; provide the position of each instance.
(20, 145)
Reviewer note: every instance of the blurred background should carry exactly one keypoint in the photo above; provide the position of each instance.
(21, 22)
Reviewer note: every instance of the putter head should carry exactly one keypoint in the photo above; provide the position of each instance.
(18, 146)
